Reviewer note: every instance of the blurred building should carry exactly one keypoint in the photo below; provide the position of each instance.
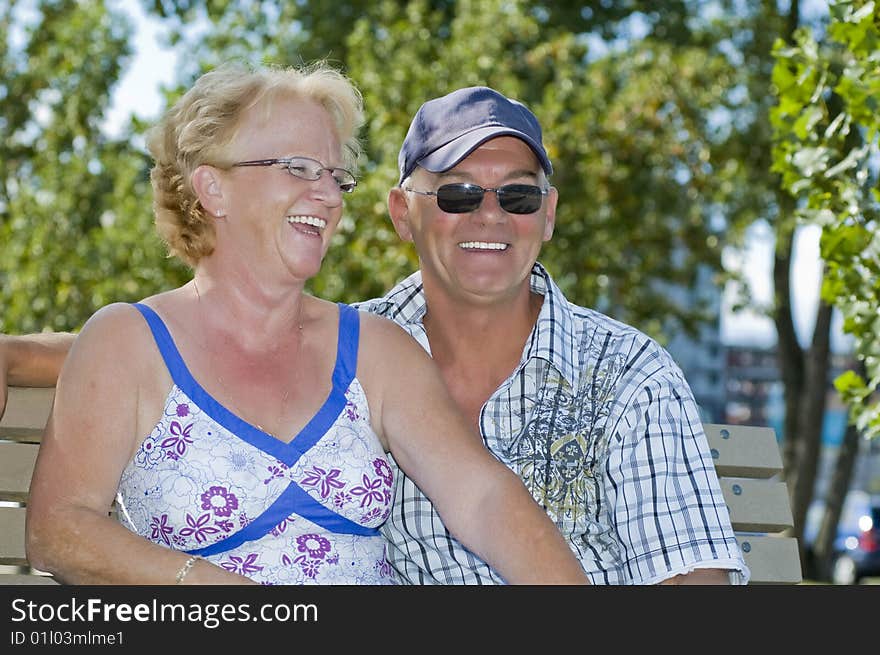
(753, 393)
(754, 397)
(702, 358)
(753, 388)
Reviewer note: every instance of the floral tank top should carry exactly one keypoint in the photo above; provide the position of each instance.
(209, 483)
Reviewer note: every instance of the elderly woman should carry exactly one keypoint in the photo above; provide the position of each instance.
(242, 426)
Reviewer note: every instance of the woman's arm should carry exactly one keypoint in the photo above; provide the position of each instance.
(481, 502)
(31, 360)
(101, 411)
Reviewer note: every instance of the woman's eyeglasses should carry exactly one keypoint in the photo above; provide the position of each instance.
(306, 168)
(462, 198)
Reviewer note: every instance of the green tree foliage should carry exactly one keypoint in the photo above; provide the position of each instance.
(75, 219)
(826, 130)
(632, 97)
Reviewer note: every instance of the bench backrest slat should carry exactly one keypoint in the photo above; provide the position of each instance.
(27, 410)
(757, 505)
(771, 559)
(744, 451)
(16, 467)
(12, 536)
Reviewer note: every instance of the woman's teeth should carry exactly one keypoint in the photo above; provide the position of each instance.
(314, 221)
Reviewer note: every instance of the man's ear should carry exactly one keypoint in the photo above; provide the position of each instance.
(550, 216)
(209, 188)
(398, 209)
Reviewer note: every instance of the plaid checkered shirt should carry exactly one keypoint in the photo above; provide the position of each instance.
(602, 428)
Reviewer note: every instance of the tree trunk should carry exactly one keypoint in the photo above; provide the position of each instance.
(805, 379)
(823, 548)
(789, 352)
(838, 488)
(810, 417)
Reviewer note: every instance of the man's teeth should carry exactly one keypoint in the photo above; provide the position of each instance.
(483, 245)
(314, 221)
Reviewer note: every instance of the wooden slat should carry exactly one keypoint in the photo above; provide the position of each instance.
(27, 410)
(12, 536)
(27, 579)
(16, 467)
(771, 560)
(744, 451)
(757, 505)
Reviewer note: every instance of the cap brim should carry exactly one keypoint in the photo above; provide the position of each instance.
(453, 152)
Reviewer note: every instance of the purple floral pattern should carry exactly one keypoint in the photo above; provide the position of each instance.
(149, 454)
(276, 470)
(279, 529)
(219, 500)
(160, 530)
(310, 567)
(326, 479)
(245, 566)
(193, 483)
(383, 470)
(198, 527)
(351, 412)
(370, 491)
(180, 438)
(316, 545)
(341, 499)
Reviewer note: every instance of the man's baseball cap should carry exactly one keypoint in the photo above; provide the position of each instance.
(445, 130)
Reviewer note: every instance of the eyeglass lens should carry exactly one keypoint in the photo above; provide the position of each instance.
(309, 169)
(513, 198)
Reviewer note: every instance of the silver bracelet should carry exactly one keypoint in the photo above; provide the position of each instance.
(181, 574)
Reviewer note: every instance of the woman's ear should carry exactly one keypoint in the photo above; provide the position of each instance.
(209, 189)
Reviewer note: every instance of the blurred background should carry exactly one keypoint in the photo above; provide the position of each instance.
(716, 161)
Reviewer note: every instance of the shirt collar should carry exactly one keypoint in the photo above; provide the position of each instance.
(405, 304)
(554, 337)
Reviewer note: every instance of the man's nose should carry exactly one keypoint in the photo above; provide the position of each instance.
(490, 209)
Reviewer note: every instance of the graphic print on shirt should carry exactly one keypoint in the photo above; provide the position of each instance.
(561, 450)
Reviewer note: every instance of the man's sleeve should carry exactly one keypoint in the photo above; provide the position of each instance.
(662, 487)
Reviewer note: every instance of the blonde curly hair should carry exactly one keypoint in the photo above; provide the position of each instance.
(200, 126)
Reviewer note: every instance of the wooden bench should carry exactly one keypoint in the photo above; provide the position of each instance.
(748, 464)
(747, 460)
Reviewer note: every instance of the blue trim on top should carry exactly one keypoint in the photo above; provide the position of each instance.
(293, 500)
(343, 374)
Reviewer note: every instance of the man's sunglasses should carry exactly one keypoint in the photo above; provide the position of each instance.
(463, 198)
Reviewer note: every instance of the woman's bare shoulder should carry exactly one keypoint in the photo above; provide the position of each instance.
(382, 336)
(115, 330)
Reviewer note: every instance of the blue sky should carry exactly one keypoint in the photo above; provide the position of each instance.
(153, 65)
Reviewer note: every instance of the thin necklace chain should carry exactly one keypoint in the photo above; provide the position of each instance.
(286, 395)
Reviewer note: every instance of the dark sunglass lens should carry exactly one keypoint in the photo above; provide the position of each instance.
(459, 198)
(520, 198)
